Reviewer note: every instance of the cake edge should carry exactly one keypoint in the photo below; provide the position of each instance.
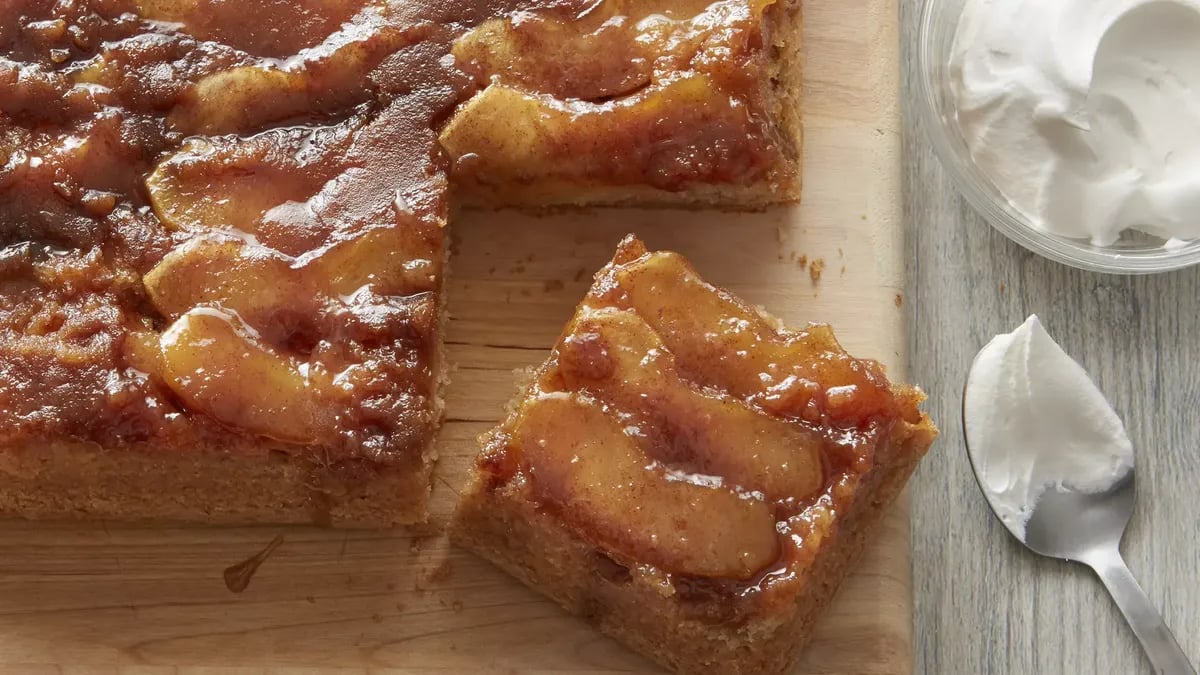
(251, 484)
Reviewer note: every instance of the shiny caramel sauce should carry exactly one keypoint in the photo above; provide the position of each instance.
(676, 427)
(657, 93)
(224, 218)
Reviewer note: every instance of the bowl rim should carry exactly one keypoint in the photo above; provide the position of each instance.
(998, 211)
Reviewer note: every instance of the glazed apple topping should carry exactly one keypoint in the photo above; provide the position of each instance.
(236, 226)
(676, 427)
(615, 94)
(615, 47)
(218, 364)
(616, 356)
(260, 186)
(583, 461)
(175, 175)
(801, 374)
(547, 143)
(317, 82)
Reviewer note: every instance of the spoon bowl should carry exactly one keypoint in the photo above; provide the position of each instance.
(1075, 525)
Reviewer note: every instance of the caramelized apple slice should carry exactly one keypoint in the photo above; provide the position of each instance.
(721, 342)
(245, 278)
(532, 139)
(268, 290)
(584, 463)
(562, 58)
(393, 260)
(226, 21)
(216, 364)
(326, 78)
(245, 184)
(140, 350)
(612, 49)
(618, 357)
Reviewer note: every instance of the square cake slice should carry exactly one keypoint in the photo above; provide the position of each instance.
(221, 253)
(688, 475)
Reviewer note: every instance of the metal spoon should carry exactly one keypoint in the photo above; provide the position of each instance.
(1087, 528)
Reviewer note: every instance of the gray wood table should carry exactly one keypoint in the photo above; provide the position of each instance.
(983, 603)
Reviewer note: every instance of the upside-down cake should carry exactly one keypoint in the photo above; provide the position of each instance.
(222, 221)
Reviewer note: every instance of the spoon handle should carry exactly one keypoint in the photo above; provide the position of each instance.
(1147, 624)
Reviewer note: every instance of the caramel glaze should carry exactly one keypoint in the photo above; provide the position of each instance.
(696, 361)
(266, 175)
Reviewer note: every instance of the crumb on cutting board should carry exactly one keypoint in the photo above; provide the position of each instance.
(237, 577)
(815, 269)
(899, 299)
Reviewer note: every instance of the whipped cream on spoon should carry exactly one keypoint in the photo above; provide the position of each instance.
(1056, 466)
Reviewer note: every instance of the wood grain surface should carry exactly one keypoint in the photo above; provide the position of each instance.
(983, 603)
(108, 598)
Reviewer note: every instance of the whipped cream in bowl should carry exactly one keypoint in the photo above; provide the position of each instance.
(1073, 126)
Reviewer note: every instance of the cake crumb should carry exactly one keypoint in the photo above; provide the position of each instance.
(552, 285)
(843, 270)
(237, 577)
(1002, 287)
(815, 269)
(802, 261)
(899, 299)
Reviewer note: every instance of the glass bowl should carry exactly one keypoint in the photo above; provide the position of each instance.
(1133, 253)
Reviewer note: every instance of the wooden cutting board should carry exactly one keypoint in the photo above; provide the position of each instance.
(107, 598)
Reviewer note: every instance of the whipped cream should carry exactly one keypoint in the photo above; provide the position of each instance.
(1085, 114)
(1034, 421)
